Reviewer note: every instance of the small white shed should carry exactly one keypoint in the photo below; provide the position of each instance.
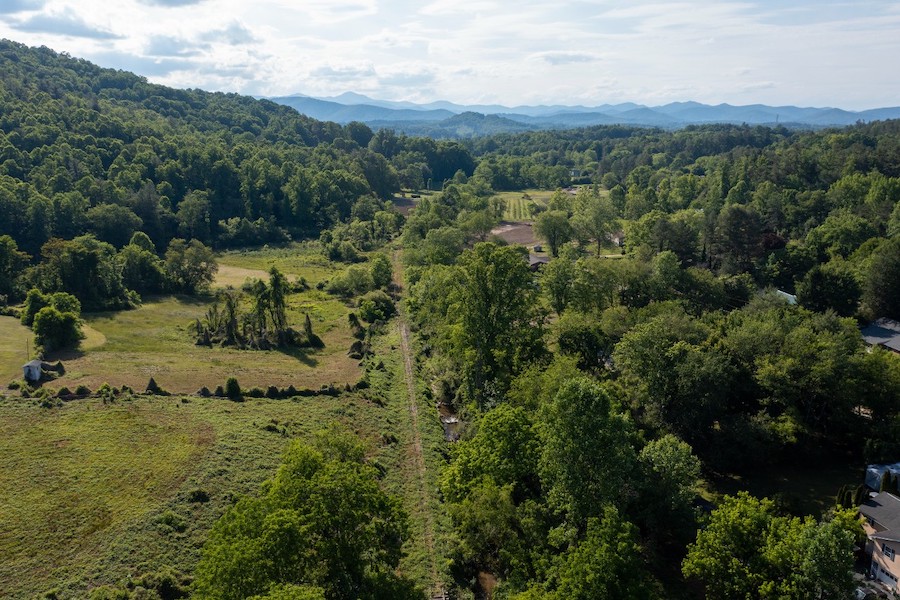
(874, 473)
(32, 370)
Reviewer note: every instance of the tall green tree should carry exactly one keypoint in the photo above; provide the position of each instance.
(322, 521)
(588, 455)
(606, 565)
(595, 217)
(191, 266)
(746, 551)
(833, 286)
(554, 227)
(12, 262)
(496, 328)
(881, 291)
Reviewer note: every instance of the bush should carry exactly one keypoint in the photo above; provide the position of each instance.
(355, 280)
(152, 387)
(376, 306)
(381, 271)
(232, 389)
(171, 521)
(198, 496)
(54, 329)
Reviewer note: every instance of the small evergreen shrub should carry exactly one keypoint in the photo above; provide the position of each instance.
(232, 389)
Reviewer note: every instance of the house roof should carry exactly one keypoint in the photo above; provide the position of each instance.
(789, 298)
(884, 509)
(883, 332)
(33, 363)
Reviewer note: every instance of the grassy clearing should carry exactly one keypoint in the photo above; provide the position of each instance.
(14, 340)
(94, 493)
(297, 260)
(155, 340)
(517, 203)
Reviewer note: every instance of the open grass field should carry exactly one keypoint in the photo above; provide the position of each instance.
(156, 339)
(517, 203)
(94, 493)
(15, 339)
(303, 259)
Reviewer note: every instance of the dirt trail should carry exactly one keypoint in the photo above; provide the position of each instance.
(436, 589)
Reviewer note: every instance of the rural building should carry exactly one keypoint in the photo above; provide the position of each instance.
(882, 527)
(883, 332)
(32, 370)
(535, 262)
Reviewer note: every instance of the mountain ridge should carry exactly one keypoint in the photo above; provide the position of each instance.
(434, 118)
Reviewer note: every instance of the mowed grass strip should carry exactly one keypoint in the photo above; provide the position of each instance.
(15, 341)
(399, 457)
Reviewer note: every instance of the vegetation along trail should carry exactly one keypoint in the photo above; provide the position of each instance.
(419, 460)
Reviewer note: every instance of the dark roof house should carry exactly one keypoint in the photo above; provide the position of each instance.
(883, 332)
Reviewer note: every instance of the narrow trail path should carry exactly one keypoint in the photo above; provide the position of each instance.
(436, 589)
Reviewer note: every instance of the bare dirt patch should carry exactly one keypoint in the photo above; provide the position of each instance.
(515, 233)
(404, 204)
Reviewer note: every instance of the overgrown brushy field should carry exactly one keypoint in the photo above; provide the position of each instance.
(94, 493)
(156, 339)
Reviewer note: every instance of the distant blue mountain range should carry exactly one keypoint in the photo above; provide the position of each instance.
(445, 119)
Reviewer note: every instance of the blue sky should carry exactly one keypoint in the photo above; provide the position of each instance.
(588, 52)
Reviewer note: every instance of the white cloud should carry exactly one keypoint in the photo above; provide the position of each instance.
(563, 57)
(234, 33)
(9, 7)
(585, 51)
(66, 22)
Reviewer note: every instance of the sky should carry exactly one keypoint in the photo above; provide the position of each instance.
(588, 52)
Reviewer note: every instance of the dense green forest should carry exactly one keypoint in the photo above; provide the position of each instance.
(599, 397)
(94, 152)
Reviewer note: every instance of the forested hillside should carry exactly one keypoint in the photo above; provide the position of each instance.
(86, 150)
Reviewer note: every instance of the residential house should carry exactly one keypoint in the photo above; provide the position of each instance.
(882, 526)
(883, 332)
